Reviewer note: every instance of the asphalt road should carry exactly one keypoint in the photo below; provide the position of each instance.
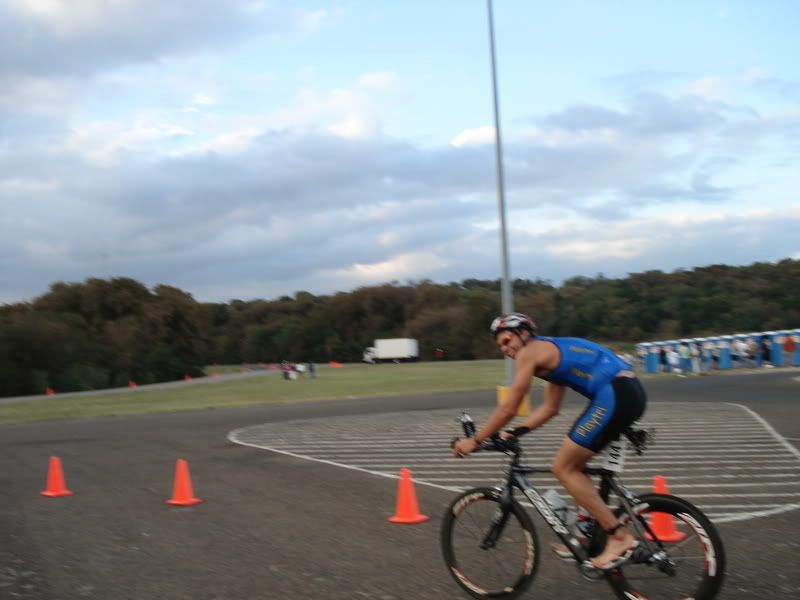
(274, 525)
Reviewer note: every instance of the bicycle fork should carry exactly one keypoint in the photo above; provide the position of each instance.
(499, 520)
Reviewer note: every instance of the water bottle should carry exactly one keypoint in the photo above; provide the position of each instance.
(562, 510)
(584, 524)
(467, 424)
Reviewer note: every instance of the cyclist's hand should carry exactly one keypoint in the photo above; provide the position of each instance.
(516, 432)
(463, 446)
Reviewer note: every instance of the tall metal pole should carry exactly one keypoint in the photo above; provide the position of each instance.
(506, 298)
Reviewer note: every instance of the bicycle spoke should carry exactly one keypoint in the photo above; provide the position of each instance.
(693, 567)
(504, 568)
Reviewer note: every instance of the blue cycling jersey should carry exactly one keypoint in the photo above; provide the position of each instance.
(584, 366)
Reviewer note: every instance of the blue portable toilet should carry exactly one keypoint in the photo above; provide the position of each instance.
(778, 337)
(724, 345)
(796, 355)
(685, 352)
(789, 347)
(776, 348)
(648, 357)
(656, 350)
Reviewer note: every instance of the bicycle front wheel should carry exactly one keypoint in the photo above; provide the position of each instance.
(689, 560)
(490, 548)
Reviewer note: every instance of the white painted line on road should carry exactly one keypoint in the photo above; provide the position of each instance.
(530, 441)
(739, 495)
(631, 481)
(715, 506)
(652, 455)
(683, 486)
(233, 438)
(778, 437)
(719, 452)
(730, 518)
(392, 465)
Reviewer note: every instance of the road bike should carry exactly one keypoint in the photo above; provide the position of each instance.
(491, 547)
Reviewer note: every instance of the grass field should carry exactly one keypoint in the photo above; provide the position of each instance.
(351, 381)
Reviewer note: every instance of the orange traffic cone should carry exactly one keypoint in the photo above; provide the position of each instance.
(187, 377)
(407, 510)
(50, 391)
(56, 486)
(182, 493)
(132, 384)
(662, 524)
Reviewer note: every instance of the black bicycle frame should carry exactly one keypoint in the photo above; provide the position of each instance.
(516, 479)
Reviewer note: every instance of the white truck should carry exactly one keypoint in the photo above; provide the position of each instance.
(392, 350)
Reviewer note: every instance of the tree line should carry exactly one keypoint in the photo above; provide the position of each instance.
(105, 333)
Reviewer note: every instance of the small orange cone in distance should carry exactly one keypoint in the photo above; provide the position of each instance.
(662, 524)
(56, 485)
(182, 493)
(407, 510)
(50, 391)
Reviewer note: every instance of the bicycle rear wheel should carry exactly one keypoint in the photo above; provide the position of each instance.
(694, 565)
(503, 569)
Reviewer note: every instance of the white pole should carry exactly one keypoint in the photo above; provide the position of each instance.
(506, 297)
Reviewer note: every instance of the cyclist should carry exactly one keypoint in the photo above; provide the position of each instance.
(616, 399)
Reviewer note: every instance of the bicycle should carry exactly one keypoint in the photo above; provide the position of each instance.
(491, 547)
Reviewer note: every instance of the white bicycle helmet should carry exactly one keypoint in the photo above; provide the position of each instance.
(514, 321)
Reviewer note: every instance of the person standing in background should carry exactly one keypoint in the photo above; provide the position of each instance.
(766, 352)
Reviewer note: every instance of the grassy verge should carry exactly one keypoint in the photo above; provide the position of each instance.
(352, 381)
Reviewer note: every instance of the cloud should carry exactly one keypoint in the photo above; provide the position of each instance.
(121, 155)
(471, 137)
(61, 37)
(381, 80)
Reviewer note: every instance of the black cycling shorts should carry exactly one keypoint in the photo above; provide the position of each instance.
(616, 406)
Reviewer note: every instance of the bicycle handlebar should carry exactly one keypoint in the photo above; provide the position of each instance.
(493, 443)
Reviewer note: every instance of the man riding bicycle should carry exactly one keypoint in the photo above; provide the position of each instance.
(616, 399)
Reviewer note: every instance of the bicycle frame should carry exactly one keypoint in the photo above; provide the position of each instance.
(705, 568)
(517, 479)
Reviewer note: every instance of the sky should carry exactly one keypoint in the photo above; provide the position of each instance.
(252, 149)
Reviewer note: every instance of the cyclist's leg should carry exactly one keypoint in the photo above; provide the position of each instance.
(615, 406)
(568, 467)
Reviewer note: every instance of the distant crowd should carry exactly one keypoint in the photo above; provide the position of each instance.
(292, 371)
(703, 356)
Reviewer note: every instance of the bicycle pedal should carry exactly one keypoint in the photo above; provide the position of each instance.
(590, 573)
(641, 555)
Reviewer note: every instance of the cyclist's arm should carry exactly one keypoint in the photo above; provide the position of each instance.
(549, 408)
(526, 367)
